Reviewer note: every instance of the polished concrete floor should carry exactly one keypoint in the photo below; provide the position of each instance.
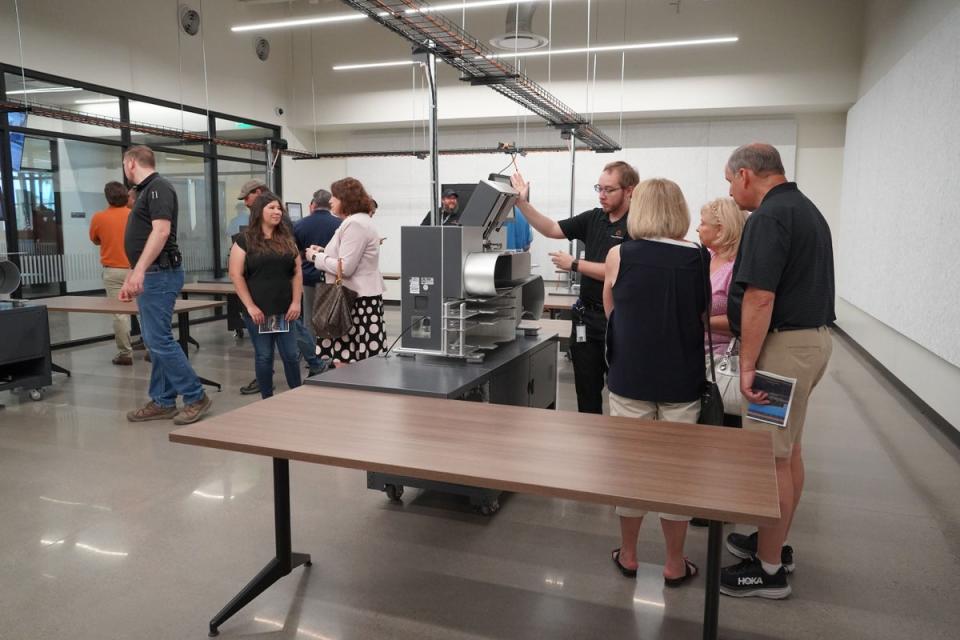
(107, 530)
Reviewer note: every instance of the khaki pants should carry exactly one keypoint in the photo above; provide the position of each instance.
(644, 410)
(801, 354)
(113, 281)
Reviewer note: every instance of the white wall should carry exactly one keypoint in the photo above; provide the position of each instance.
(691, 152)
(900, 194)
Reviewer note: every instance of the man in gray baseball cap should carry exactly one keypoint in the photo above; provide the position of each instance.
(248, 193)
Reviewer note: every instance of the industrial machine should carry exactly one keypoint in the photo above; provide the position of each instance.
(461, 295)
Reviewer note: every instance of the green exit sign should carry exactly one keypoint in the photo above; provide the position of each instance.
(243, 125)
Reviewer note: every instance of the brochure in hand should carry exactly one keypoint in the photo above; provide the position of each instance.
(779, 398)
(276, 323)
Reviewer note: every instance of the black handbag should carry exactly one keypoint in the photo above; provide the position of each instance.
(711, 400)
(332, 315)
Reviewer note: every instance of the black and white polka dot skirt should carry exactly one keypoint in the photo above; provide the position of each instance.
(366, 337)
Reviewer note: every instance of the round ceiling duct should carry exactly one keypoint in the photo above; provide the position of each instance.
(519, 35)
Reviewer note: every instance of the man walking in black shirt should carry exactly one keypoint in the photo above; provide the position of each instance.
(599, 229)
(155, 280)
(781, 303)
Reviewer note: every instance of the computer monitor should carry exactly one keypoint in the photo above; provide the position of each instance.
(294, 210)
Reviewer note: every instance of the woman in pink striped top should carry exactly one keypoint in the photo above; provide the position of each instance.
(721, 225)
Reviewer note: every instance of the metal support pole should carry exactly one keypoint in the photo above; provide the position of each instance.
(431, 67)
(571, 276)
(269, 176)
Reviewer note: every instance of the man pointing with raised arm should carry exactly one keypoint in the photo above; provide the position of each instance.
(599, 229)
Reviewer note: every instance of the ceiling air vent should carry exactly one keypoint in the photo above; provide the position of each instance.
(262, 48)
(189, 20)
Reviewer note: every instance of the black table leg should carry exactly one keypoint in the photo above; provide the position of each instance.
(183, 337)
(190, 340)
(711, 606)
(285, 560)
(55, 367)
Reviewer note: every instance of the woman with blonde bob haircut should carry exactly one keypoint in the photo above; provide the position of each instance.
(654, 297)
(721, 225)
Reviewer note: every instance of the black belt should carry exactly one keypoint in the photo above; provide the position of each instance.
(788, 327)
(592, 306)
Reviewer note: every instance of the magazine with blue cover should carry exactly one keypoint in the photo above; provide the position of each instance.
(276, 323)
(779, 391)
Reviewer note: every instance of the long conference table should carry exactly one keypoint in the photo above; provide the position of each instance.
(709, 472)
(113, 306)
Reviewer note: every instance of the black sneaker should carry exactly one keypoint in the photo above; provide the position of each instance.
(250, 389)
(745, 547)
(747, 579)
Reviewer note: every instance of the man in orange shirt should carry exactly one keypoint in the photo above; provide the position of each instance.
(106, 231)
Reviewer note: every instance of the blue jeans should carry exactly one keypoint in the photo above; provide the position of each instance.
(171, 374)
(263, 344)
(306, 343)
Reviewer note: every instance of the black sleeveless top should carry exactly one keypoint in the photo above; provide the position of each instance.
(655, 334)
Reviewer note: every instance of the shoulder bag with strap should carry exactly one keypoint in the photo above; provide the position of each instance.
(332, 309)
(711, 401)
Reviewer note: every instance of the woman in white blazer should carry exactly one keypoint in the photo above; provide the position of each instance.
(355, 246)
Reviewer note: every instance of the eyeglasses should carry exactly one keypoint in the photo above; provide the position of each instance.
(606, 190)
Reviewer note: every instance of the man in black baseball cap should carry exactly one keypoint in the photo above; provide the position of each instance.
(449, 209)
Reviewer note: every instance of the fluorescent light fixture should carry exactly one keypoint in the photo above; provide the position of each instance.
(350, 17)
(373, 65)
(97, 101)
(664, 44)
(456, 6)
(102, 552)
(45, 90)
(299, 22)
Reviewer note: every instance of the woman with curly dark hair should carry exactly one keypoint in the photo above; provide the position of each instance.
(265, 268)
(355, 249)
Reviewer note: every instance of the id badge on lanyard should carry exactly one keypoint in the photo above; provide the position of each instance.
(579, 327)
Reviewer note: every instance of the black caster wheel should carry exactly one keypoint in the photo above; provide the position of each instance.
(308, 563)
(488, 508)
(394, 492)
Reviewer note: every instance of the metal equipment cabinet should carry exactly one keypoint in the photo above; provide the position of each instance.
(520, 373)
(24, 347)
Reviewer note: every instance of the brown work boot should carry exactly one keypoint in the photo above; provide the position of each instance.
(151, 411)
(123, 359)
(193, 411)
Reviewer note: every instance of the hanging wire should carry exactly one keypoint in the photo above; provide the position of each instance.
(593, 91)
(623, 60)
(413, 122)
(587, 83)
(550, 48)
(313, 95)
(180, 68)
(203, 52)
(623, 68)
(23, 75)
(519, 62)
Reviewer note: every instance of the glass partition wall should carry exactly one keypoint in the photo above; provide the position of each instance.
(52, 174)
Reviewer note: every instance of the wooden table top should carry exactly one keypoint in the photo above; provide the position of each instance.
(547, 326)
(211, 288)
(102, 304)
(710, 472)
(558, 301)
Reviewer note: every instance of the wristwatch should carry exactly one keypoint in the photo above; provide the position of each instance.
(575, 266)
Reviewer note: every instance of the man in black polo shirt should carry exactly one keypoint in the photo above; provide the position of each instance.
(599, 229)
(781, 303)
(150, 242)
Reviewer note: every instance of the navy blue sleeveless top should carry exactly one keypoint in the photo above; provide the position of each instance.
(655, 334)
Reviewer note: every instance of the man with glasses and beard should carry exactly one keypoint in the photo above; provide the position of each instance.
(599, 229)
